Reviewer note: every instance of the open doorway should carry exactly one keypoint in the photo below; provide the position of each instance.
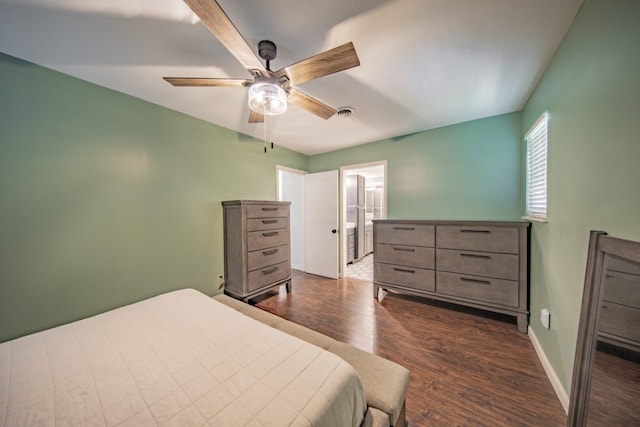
(364, 198)
(290, 187)
(314, 219)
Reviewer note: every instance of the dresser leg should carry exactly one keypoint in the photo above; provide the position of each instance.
(288, 286)
(375, 291)
(523, 322)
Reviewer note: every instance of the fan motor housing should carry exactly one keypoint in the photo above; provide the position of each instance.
(267, 50)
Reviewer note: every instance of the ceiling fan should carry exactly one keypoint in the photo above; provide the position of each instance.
(269, 90)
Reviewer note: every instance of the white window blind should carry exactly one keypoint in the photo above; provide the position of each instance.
(536, 140)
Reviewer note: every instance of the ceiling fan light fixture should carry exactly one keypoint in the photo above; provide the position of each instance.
(267, 98)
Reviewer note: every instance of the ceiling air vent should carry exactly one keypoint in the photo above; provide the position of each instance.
(345, 112)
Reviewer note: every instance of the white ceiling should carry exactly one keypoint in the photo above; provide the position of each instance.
(424, 63)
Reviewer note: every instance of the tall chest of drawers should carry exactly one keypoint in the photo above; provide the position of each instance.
(620, 307)
(481, 264)
(257, 254)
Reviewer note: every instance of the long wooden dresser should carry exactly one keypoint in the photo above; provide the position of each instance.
(481, 264)
(257, 254)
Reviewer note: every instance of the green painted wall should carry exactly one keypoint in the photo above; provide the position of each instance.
(592, 92)
(470, 170)
(106, 199)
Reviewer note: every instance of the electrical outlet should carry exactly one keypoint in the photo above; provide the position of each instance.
(545, 318)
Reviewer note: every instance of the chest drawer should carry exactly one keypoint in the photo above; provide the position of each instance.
(405, 234)
(266, 211)
(486, 290)
(269, 256)
(478, 238)
(620, 320)
(623, 266)
(267, 238)
(264, 276)
(622, 288)
(501, 266)
(410, 277)
(257, 224)
(413, 256)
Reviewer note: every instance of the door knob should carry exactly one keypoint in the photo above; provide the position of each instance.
(334, 231)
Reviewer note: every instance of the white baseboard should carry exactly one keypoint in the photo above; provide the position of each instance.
(297, 267)
(551, 374)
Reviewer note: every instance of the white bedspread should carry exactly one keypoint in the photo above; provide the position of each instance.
(178, 359)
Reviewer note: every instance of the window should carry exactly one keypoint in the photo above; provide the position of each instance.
(536, 140)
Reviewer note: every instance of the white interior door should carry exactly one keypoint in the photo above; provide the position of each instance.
(321, 223)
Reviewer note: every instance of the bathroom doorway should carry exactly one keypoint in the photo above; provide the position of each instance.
(364, 198)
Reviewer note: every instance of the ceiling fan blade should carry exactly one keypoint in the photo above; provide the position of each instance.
(310, 104)
(331, 61)
(255, 117)
(197, 81)
(212, 15)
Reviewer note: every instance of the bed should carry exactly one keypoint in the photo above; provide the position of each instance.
(179, 358)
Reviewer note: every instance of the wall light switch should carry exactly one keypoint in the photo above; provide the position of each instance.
(545, 318)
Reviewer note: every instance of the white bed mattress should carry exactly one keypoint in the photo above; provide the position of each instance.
(178, 359)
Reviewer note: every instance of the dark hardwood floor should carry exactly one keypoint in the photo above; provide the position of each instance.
(615, 387)
(468, 368)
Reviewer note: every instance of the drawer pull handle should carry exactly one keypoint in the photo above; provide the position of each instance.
(465, 230)
(403, 270)
(484, 282)
(272, 233)
(404, 249)
(269, 221)
(605, 306)
(269, 209)
(271, 252)
(271, 270)
(404, 228)
(476, 256)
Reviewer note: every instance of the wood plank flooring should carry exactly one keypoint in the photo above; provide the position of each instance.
(615, 388)
(468, 368)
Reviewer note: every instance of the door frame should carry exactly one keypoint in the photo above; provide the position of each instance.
(279, 169)
(344, 170)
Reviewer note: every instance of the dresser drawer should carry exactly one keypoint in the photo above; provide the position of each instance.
(478, 238)
(266, 211)
(623, 266)
(267, 238)
(482, 289)
(413, 256)
(501, 266)
(404, 234)
(257, 224)
(620, 320)
(268, 275)
(269, 256)
(410, 277)
(622, 288)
